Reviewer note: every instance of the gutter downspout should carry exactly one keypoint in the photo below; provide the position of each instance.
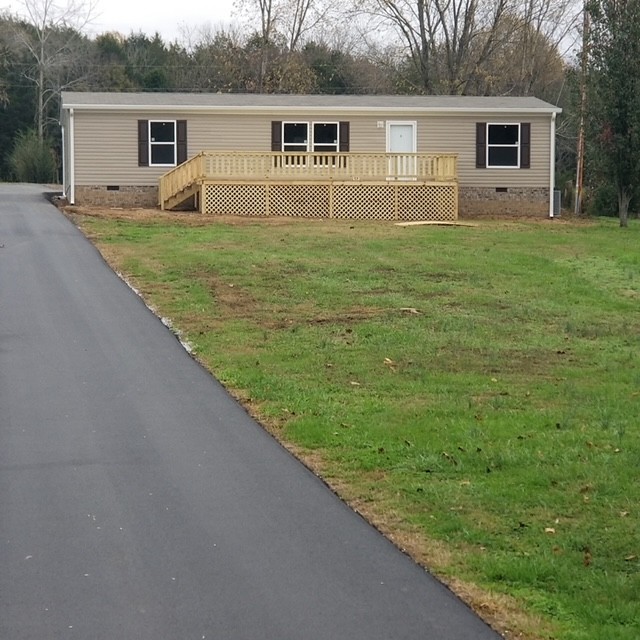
(64, 159)
(552, 163)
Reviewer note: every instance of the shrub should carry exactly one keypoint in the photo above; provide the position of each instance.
(32, 160)
(602, 200)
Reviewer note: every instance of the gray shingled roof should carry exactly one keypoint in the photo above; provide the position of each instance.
(215, 101)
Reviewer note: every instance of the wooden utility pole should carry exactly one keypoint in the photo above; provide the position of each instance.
(583, 107)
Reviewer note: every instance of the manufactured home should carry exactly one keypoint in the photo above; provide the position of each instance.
(361, 157)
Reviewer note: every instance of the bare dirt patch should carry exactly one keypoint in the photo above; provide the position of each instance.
(233, 301)
(186, 218)
(196, 219)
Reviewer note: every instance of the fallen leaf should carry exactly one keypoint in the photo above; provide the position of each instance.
(450, 458)
(354, 383)
(631, 558)
(624, 514)
(549, 530)
(409, 310)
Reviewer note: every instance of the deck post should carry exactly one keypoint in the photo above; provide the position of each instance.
(331, 193)
(395, 202)
(267, 203)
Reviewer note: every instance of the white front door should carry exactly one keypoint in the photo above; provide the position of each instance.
(401, 140)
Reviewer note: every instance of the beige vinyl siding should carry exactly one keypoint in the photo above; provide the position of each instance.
(106, 143)
(457, 134)
(106, 150)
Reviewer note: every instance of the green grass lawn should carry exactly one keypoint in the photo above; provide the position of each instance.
(474, 391)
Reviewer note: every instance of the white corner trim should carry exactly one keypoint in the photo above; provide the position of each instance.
(72, 169)
(63, 150)
(552, 163)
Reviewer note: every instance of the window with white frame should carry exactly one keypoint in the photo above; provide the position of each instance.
(319, 137)
(325, 137)
(162, 143)
(503, 145)
(295, 136)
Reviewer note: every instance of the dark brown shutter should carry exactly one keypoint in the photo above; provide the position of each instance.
(481, 145)
(344, 137)
(181, 136)
(143, 143)
(276, 135)
(525, 145)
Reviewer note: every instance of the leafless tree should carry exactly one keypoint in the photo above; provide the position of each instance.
(50, 35)
(452, 44)
(292, 20)
(528, 57)
(286, 24)
(299, 19)
(266, 17)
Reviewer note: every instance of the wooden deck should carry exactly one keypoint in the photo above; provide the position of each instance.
(340, 185)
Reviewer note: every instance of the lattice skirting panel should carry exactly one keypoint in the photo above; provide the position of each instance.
(438, 202)
(364, 202)
(352, 201)
(234, 199)
(307, 200)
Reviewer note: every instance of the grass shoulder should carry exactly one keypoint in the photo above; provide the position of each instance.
(472, 391)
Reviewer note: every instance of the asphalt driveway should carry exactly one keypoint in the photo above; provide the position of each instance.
(139, 501)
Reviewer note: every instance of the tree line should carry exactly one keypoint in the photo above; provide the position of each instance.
(459, 47)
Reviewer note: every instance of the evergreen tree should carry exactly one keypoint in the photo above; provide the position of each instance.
(614, 96)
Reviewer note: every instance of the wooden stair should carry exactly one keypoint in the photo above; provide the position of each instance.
(180, 199)
(181, 184)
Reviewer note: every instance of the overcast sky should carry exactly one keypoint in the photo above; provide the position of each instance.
(149, 16)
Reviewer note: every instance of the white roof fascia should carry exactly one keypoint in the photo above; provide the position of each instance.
(302, 108)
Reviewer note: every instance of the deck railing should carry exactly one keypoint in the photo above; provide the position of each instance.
(239, 166)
